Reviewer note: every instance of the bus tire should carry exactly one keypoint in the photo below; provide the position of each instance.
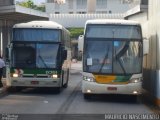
(134, 98)
(14, 89)
(19, 88)
(58, 90)
(11, 89)
(66, 84)
(87, 96)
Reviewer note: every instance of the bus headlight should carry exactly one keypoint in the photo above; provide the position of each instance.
(135, 80)
(54, 76)
(15, 75)
(89, 79)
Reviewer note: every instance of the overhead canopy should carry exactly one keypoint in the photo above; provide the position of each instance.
(136, 10)
(19, 13)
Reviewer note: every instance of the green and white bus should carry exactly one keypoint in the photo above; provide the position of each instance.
(112, 57)
(38, 55)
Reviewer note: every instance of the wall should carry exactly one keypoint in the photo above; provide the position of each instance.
(151, 30)
(115, 6)
(65, 8)
(6, 2)
(5, 34)
(91, 6)
(153, 65)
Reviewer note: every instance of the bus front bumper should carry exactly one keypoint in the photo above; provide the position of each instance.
(35, 82)
(95, 88)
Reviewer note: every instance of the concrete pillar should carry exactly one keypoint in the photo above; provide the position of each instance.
(6, 32)
(91, 6)
(4, 36)
(1, 39)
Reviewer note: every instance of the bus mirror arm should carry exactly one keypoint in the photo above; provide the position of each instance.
(7, 54)
(64, 54)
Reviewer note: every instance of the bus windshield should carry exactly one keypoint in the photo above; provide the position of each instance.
(113, 57)
(113, 31)
(30, 34)
(35, 55)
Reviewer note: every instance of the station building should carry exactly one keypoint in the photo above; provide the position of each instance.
(10, 14)
(147, 13)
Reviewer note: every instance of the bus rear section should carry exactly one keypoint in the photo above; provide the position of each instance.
(112, 57)
(38, 55)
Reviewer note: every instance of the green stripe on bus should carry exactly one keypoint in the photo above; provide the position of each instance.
(122, 78)
(36, 71)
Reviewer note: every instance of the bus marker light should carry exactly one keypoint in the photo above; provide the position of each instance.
(135, 92)
(55, 76)
(15, 75)
(136, 81)
(88, 91)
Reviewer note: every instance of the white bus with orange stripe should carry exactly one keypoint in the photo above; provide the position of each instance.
(112, 57)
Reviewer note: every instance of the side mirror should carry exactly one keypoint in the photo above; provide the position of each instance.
(64, 54)
(145, 46)
(80, 43)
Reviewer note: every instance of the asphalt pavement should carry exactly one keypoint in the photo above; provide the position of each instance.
(71, 101)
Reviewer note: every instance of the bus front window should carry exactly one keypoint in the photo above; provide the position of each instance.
(47, 55)
(24, 55)
(35, 55)
(113, 57)
(99, 56)
(127, 57)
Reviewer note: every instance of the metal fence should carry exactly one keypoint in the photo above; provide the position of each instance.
(78, 20)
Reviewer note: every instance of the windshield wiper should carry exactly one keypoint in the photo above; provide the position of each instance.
(122, 66)
(43, 61)
(121, 53)
(106, 57)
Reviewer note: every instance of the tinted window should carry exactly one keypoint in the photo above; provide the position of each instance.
(113, 31)
(22, 34)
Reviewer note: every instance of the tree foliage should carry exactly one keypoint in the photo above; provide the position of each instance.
(75, 32)
(30, 4)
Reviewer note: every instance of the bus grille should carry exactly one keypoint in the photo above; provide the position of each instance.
(35, 76)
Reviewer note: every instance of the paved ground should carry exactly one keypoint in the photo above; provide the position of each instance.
(45, 102)
(69, 101)
(76, 67)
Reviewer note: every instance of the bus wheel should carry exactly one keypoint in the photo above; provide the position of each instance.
(87, 96)
(19, 88)
(58, 90)
(66, 84)
(11, 89)
(134, 98)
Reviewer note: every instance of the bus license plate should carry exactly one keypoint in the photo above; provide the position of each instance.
(112, 88)
(34, 82)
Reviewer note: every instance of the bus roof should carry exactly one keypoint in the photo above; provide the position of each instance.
(39, 24)
(112, 21)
